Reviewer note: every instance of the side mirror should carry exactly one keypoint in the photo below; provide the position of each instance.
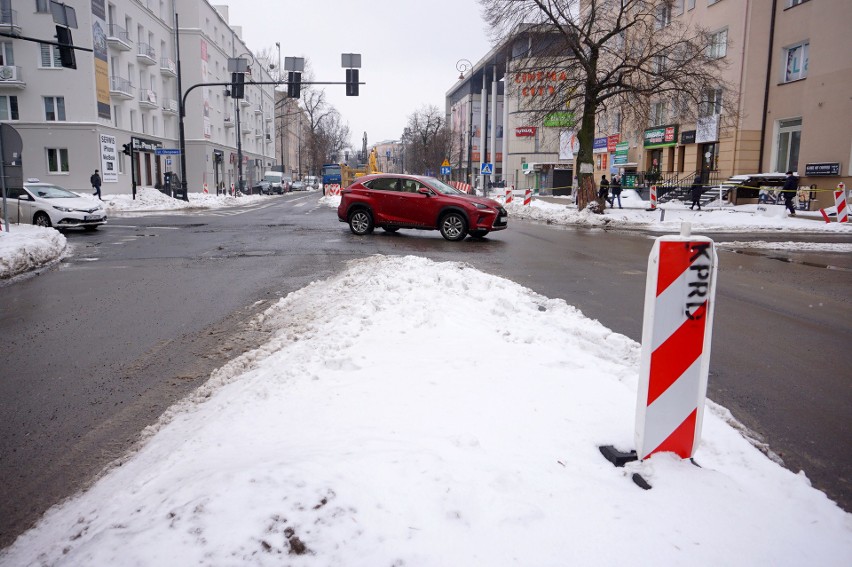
(424, 191)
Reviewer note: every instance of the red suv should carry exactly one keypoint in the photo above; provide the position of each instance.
(393, 201)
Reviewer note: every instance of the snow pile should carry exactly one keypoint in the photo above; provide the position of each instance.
(28, 247)
(148, 199)
(437, 416)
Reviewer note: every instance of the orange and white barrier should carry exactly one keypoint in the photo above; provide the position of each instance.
(509, 194)
(840, 204)
(676, 334)
(332, 190)
(527, 197)
(205, 188)
(464, 187)
(653, 197)
(232, 189)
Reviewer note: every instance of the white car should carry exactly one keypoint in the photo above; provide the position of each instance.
(46, 204)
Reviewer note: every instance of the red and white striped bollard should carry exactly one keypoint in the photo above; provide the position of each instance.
(509, 194)
(527, 197)
(840, 203)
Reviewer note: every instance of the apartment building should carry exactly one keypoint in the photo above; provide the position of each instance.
(788, 61)
(73, 121)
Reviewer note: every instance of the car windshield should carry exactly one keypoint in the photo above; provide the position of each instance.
(51, 192)
(441, 187)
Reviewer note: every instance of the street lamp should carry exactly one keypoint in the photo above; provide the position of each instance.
(463, 65)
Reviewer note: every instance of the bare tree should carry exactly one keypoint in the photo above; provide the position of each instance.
(610, 55)
(427, 140)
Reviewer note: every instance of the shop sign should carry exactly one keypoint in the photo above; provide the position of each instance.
(525, 131)
(707, 129)
(561, 119)
(822, 169)
(540, 82)
(599, 146)
(621, 150)
(660, 137)
(612, 141)
(687, 137)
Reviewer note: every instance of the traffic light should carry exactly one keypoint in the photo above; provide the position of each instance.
(238, 86)
(351, 82)
(294, 84)
(128, 149)
(66, 47)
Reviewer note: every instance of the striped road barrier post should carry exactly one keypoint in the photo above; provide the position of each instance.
(676, 335)
(840, 204)
(528, 197)
(653, 198)
(509, 194)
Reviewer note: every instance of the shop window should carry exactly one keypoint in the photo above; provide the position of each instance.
(796, 61)
(787, 145)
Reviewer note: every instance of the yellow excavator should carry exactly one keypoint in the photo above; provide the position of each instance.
(349, 174)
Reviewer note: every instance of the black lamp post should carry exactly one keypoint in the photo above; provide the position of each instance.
(463, 65)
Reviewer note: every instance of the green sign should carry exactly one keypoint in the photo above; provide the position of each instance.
(561, 119)
(660, 137)
(628, 180)
(620, 153)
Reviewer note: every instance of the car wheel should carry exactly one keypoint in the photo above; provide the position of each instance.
(453, 226)
(90, 228)
(360, 222)
(478, 233)
(390, 228)
(41, 219)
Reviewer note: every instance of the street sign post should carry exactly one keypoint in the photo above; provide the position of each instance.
(167, 151)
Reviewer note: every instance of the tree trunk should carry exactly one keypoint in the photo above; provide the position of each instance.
(587, 192)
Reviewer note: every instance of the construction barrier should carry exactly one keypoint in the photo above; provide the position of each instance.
(332, 190)
(840, 204)
(677, 328)
(509, 194)
(205, 188)
(232, 189)
(464, 187)
(528, 197)
(653, 198)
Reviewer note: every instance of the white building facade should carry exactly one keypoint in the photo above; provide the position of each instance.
(73, 121)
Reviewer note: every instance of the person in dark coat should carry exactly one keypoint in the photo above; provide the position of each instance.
(603, 189)
(95, 180)
(615, 188)
(696, 192)
(791, 185)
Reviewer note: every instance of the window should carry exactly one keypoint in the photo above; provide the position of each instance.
(7, 54)
(658, 113)
(43, 6)
(664, 15)
(50, 57)
(57, 160)
(796, 62)
(690, 4)
(54, 108)
(711, 2)
(791, 3)
(717, 46)
(8, 107)
(659, 64)
(787, 145)
(617, 122)
(711, 102)
(677, 6)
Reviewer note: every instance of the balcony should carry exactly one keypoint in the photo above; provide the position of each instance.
(145, 54)
(168, 67)
(118, 38)
(245, 128)
(170, 106)
(10, 77)
(258, 110)
(229, 122)
(258, 133)
(147, 99)
(9, 21)
(245, 101)
(120, 88)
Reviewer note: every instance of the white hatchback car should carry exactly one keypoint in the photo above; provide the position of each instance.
(46, 204)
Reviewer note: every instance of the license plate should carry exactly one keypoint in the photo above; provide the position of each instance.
(92, 217)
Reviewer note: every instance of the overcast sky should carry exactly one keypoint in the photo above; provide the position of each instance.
(409, 50)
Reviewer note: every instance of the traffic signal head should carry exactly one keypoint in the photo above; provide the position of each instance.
(66, 47)
(294, 84)
(351, 82)
(238, 86)
(128, 149)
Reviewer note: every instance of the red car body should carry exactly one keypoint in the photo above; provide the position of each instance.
(394, 201)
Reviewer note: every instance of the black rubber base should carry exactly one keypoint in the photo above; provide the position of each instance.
(617, 457)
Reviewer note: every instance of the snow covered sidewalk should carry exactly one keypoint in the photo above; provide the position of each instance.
(443, 417)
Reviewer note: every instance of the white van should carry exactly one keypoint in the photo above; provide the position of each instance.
(275, 180)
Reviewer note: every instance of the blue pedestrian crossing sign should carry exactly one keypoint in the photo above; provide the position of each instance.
(487, 169)
(446, 170)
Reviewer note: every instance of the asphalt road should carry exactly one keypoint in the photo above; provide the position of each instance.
(142, 311)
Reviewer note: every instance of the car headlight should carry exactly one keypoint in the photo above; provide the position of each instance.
(63, 209)
(480, 206)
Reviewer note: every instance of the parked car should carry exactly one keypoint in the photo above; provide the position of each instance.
(46, 204)
(392, 202)
(263, 187)
(297, 186)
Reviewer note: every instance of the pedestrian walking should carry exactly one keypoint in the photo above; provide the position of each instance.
(95, 179)
(615, 187)
(696, 193)
(791, 185)
(603, 189)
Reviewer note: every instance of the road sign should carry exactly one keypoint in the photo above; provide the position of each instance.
(167, 152)
(168, 161)
(446, 170)
(487, 169)
(446, 163)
